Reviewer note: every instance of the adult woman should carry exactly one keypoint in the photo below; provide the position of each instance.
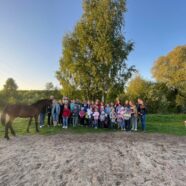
(55, 112)
(127, 115)
(142, 113)
(134, 115)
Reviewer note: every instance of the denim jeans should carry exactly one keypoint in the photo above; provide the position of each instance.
(95, 123)
(55, 117)
(122, 124)
(134, 122)
(75, 121)
(65, 121)
(143, 121)
(41, 119)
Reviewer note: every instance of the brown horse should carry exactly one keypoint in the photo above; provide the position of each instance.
(11, 112)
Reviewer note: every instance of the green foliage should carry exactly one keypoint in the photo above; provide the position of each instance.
(93, 61)
(170, 69)
(10, 86)
(157, 96)
(138, 88)
(9, 93)
(27, 96)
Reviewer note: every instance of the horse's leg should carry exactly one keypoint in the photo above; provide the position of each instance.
(36, 122)
(29, 123)
(6, 131)
(11, 129)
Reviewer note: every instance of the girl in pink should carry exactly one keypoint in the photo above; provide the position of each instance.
(96, 117)
(82, 116)
(120, 118)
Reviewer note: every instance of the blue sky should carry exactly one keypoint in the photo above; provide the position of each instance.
(31, 33)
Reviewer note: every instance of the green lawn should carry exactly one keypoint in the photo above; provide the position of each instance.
(166, 124)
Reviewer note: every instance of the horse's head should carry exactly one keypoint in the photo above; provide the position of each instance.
(47, 102)
(43, 103)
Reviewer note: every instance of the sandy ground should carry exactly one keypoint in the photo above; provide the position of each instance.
(93, 159)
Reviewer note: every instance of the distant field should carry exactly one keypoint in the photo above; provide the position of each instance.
(156, 123)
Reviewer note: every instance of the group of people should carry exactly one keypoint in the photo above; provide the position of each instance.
(96, 114)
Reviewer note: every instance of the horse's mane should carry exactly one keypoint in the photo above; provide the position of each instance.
(41, 102)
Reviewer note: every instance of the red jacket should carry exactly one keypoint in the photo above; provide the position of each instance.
(66, 112)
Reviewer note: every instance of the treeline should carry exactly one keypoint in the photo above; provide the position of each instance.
(157, 96)
(25, 96)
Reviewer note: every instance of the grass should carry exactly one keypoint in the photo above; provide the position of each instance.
(167, 124)
(156, 123)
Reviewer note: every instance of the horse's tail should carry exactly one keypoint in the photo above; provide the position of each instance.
(4, 117)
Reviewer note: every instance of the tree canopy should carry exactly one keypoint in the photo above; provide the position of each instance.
(171, 70)
(10, 86)
(49, 86)
(94, 55)
(137, 88)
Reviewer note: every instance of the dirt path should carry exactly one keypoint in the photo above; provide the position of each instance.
(93, 159)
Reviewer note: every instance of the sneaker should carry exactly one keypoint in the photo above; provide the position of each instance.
(63, 127)
(135, 130)
(124, 129)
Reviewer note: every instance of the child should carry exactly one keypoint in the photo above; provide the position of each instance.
(103, 116)
(112, 118)
(82, 116)
(108, 111)
(96, 117)
(127, 116)
(89, 116)
(75, 114)
(66, 115)
(102, 107)
(120, 118)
